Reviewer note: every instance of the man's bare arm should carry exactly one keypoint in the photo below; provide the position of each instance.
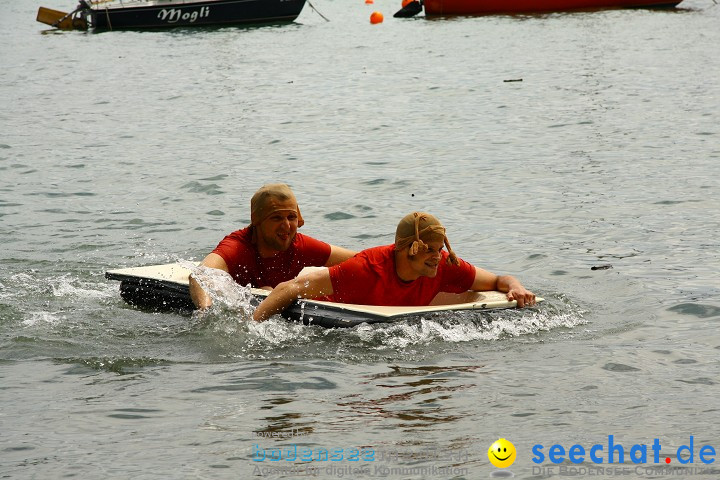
(314, 284)
(199, 297)
(338, 255)
(485, 280)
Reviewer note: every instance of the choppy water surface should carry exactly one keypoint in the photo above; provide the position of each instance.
(135, 148)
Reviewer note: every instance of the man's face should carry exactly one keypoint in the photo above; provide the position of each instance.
(426, 263)
(278, 230)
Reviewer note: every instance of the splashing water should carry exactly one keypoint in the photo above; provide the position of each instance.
(63, 286)
(459, 327)
(277, 338)
(67, 286)
(234, 304)
(221, 287)
(50, 318)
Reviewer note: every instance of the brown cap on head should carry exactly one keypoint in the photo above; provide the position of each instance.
(269, 199)
(418, 226)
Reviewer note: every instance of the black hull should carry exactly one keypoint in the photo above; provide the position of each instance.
(207, 13)
(159, 296)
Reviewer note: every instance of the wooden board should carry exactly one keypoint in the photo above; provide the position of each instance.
(166, 287)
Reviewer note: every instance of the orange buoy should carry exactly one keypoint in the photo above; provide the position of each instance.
(376, 17)
(369, 2)
(405, 2)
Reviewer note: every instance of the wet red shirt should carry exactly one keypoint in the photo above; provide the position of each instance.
(369, 278)
(246, 266)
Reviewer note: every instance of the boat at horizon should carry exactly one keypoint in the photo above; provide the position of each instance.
(510, 7)
(151, 14)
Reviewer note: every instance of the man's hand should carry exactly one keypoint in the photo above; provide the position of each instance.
(524, 297)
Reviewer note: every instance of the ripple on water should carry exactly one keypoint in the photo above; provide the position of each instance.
(619, 367)
(698, 381)
(696, 309)
(197, 187)
(339, 216)
(120, 365)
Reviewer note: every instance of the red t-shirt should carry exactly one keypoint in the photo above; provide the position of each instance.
(369, 278)
(247, 267)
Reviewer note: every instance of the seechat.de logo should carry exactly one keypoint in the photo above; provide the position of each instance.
(613, 452)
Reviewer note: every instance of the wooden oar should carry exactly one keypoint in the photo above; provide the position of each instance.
(409, 10)
(54, 18)
(61, 20)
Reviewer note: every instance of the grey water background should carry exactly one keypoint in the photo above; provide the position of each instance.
(124, 149)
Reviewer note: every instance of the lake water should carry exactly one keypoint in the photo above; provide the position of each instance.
(124, 149)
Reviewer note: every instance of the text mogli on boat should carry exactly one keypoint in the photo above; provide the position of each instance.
(145, 14)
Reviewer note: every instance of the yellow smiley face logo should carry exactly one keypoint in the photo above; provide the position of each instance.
(501, 453)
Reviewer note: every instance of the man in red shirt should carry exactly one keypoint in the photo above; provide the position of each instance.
(411, 272)
(270, 250)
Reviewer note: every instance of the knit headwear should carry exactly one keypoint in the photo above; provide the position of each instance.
(418, 226)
